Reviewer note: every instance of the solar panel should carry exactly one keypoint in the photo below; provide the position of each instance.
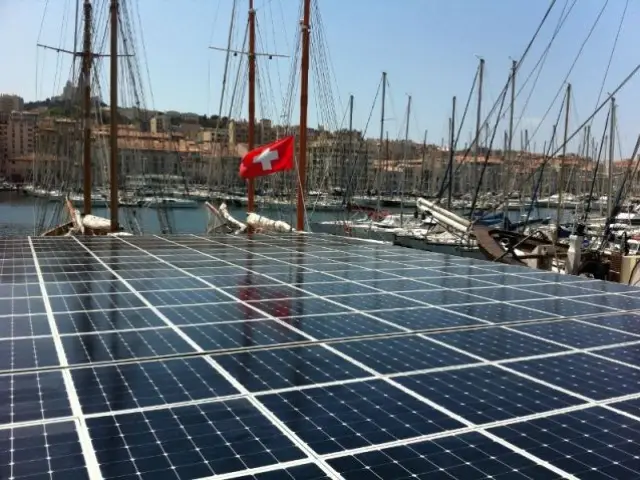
(275, 357)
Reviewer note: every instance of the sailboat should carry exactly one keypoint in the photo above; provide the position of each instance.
(86, 223)
(220, 218)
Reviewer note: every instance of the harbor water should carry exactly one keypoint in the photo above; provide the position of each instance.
(19, 214)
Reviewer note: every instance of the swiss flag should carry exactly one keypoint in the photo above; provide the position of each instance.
(267, 159)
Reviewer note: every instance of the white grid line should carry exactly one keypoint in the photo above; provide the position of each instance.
(426, 305)
(89, 454)
(257, 404)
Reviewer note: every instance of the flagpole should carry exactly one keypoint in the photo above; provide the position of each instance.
(304, 93)
(252, 100)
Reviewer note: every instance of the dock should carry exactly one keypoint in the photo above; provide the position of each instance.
(308, 356)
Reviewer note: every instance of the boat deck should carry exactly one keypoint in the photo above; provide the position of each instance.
(308, 356)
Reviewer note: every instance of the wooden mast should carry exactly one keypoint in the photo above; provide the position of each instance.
(252, 99)
(304, 100)
(113, 113)
(87, 60)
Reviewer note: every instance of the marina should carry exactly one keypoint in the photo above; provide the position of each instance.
(270, 292)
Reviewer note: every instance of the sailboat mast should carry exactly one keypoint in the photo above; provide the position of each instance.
(421, 188)
(507, 158)
(113, 109)
(612, 129)
(86, 106)
(252, 98)
(304, 100)
(562, 161)
(379, 173)
(452, 141)
(345, 181)
(476, 145)
(404, 161)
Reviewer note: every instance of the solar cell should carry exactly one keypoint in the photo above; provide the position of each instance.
(402, 354)
(123, 345)
(497, 343)
(587, 375)
(24, 326)
(32, 396)
(42, 451)
(139, 385)
(189, 442)
(501, 312)
(341, 417)
(468, 456)
(591, 443)
(106, 320)
(307, 357)
(577, 334)
(425, 318)
(288, 367)
(564, 307)
(27, 352)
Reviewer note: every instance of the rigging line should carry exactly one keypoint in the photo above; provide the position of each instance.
(613, 49)
(542, 166)
(215, 20)
(63, 34)
(518, 65)
(575, 61)
(447, 176)
(615, 208)
(541, 63)
(39, 38)
(362, 140)
(596, 111)
(76, 27)
(238, 73)
(144, 55)
(275, 49)
(611, 95)
(487, 155)
(327, 52)
(594, 178)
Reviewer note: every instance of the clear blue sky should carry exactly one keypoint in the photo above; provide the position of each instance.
(428, 48)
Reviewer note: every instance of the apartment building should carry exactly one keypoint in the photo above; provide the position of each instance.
(10, 103)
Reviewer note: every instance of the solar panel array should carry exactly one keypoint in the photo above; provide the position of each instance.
(308, 356)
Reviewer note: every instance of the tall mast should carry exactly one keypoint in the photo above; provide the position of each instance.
(113, 131)
(252, 97)
(404, 161)
(476, 144)
(422, 166)
(87, 60)
(452, 141)
(304, 100)
(379, 173)
(508, 156)
(612, 129)
(562, 161)
(345, 180)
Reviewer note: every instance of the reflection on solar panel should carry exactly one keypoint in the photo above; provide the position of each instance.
(310, 357)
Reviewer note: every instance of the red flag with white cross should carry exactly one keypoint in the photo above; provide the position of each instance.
(267, 159)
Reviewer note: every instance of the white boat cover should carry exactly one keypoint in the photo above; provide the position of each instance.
(258, 222)
(96, 223)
